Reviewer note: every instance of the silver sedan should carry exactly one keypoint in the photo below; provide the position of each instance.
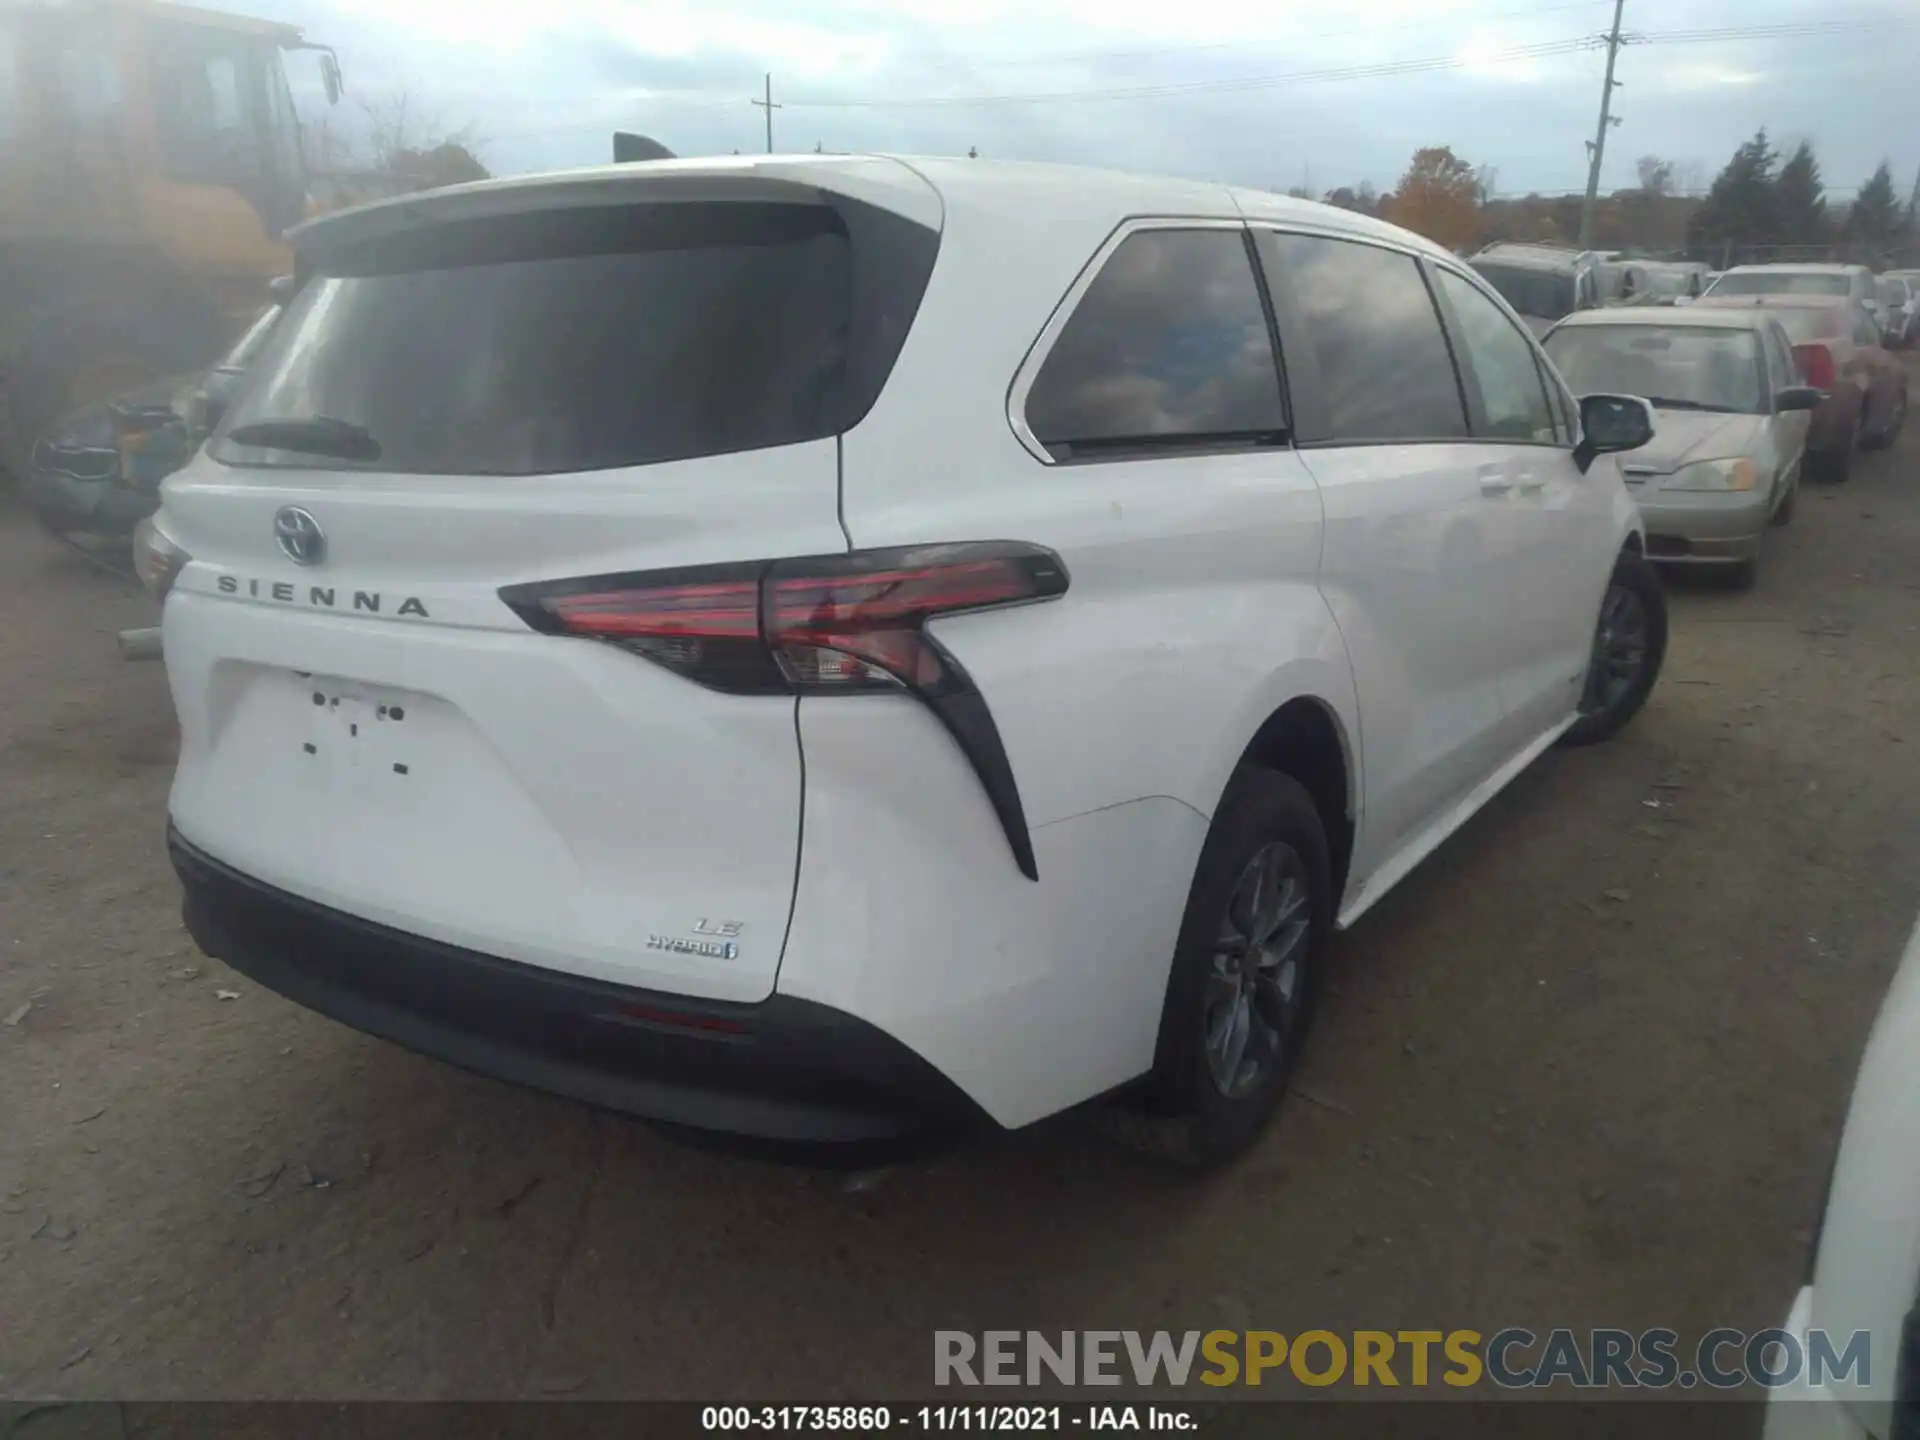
(1731, 418)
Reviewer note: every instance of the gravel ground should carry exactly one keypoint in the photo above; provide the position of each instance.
(1586, 1067)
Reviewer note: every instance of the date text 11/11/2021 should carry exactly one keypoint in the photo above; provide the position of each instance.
(875, 1419)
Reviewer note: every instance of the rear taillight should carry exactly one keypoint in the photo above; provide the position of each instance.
(156, 559)
(821, 625)
(1816, 365)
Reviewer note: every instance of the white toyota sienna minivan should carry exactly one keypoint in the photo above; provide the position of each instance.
(836, 649)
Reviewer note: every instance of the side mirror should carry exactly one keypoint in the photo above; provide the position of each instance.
(1610, 424)
(1796, 397)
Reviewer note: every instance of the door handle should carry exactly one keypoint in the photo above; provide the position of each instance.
(1495, 482)
(1530, 485)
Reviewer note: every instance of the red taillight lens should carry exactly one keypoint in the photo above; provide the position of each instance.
(1816, 365)
(854, 622)
(823, 624)
(703, 624)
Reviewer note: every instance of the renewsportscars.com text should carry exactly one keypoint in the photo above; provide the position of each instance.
(1512, 1359)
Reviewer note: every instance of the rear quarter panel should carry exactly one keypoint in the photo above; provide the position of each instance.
(1193, 612)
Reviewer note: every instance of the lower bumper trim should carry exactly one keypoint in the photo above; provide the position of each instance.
(784, 1070)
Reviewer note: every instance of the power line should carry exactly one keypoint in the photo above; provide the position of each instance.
(1789, 31)
(684, 101)
(1439, 22)
(1363, 71)
(1367, 71)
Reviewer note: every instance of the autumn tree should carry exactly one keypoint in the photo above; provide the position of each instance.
(1800, 196)
(1878, 220)
(1438, 197)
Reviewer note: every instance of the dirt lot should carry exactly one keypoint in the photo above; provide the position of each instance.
(1585, 1068)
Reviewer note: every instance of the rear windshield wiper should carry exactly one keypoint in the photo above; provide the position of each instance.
(314, 435)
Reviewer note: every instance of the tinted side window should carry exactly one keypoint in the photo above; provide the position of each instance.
(1502, 362)
(1383, 367)
(1170, 341)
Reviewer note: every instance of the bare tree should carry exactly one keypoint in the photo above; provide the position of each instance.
(400, 147)
(1656, 175)
(408, 141)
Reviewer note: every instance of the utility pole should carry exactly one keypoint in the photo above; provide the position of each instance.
(768, 106)
(1607, 120)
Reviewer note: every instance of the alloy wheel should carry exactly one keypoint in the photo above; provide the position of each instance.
(1259, 964)
(1620, 645)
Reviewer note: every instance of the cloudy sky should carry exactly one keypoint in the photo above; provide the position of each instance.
(1280, 94)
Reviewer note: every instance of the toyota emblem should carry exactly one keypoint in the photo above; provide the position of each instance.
(300, 536)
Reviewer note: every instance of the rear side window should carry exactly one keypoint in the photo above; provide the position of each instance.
(1168, 346)
(584, 340)
(1383, 368)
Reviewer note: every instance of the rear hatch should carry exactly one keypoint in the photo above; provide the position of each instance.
(516, 386)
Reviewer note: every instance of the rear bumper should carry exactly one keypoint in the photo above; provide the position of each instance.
(784, 1070)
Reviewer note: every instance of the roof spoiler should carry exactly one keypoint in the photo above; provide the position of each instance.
(629, 148)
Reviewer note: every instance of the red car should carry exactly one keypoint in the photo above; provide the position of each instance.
(1838, 347)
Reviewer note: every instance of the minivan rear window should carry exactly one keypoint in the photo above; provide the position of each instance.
(1544, 294)
(585, 340)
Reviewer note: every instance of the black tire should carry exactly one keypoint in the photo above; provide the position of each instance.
(1875, 439)
(1184, 1115)
(1605, 713)
(1837, 468)
(1895, 424)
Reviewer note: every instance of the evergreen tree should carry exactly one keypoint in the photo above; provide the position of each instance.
(1877, 221)
(1742, 210)
(1802, 203)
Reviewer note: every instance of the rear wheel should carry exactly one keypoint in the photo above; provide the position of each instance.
(1837, 467)
(1245, 975)
(1896, 422)
(1629, 644)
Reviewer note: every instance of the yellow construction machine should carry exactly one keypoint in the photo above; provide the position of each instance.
(150, 159)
